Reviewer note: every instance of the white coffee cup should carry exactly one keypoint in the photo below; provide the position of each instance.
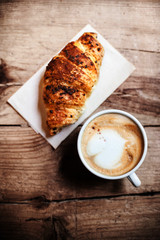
(131, 175)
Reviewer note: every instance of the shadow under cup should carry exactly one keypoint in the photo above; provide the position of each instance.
(130, 174)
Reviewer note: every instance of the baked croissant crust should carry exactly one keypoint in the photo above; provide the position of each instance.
(69, 79)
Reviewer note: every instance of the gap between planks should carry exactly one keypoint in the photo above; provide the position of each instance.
(42, 199)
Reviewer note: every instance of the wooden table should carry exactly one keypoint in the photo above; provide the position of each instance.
(46, 193)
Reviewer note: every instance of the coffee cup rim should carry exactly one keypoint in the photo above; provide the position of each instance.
(121, 112)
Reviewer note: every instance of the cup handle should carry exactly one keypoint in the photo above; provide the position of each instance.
(134, 180)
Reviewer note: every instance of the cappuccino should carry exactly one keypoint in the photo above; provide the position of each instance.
(112, 144)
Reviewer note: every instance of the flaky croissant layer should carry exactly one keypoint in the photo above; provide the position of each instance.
(69, 79)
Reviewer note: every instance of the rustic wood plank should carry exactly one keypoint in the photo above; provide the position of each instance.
(107, 219)
(37, 37)
(140, 91)
(136, 20)
(146, 64)
(16, 73)
(137, 95)
(31, 168)
(130, 217)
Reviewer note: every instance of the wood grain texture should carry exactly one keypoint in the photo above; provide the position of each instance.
(103, 219)
(140, 93)
(141, 90)
(45, 193)
(30, 168)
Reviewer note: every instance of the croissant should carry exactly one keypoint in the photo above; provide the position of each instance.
(69, 79)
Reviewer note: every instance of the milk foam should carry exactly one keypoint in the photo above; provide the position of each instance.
(106, 147)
